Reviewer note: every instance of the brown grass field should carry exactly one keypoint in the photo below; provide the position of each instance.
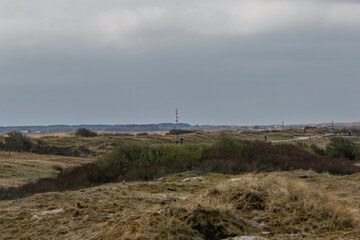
(21, 168)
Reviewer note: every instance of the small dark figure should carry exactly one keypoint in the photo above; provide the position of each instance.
(349, 133)
(265, 138)
(181, 140)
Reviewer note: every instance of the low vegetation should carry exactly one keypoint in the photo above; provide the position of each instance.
(145, 162)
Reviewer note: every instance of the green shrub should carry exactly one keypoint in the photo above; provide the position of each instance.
(228, 143)
(84, 132)
(342, 147)
(136, 155)
(317, 150)
(142, 161)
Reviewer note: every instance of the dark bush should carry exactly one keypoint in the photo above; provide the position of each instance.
(137, 155)
(180, 131)
(84, 132)
(142, 134)
(63, 151)
(16, 141)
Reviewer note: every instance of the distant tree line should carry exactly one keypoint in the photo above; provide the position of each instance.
(18, 142)
(180, 131)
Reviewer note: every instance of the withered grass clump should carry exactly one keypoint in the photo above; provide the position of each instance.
(286, 202)
(212, 222)
(191, 222)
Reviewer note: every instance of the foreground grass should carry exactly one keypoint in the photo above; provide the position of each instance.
(279, 205)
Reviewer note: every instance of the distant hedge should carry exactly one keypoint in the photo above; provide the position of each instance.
(179, 131)
(84, 132)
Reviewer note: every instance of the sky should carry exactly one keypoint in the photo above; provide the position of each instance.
(240, 62)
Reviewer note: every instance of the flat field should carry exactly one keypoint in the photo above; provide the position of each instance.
(21, 168)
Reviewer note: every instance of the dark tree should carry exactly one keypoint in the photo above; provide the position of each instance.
(84, 132)
(16, 141)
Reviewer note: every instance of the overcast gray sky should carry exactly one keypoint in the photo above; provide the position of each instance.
(217, 61)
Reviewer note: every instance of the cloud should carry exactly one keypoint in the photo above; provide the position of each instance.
(126, 24)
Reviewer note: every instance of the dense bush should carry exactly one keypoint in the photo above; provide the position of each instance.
(342, 147)
(260, 156)
(84, 132)
(16, 141)
(136, 155)
(227, 143)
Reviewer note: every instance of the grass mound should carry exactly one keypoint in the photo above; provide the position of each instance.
(284, 207)
(287, 205)
(193, 222)
(212, 222)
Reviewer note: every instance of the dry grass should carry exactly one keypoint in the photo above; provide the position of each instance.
(294, 201)
(279, 205)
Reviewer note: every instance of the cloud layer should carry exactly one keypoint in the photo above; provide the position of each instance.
(217, 61)
(125, 23)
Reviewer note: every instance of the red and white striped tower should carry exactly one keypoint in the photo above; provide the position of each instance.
(176, 123)
(176, 117)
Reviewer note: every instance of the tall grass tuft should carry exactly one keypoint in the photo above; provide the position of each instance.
(296, 201)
